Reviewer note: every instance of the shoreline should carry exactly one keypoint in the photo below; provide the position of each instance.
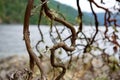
(19, 64)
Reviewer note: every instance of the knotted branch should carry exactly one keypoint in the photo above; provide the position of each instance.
(49, 14)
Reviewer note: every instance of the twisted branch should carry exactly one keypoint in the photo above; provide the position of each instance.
(61, 44)
(33, 56)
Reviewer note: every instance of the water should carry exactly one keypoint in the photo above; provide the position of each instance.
(12, 43)
(11, 39)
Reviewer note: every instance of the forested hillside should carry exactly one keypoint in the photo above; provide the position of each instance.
(12, 12)
(101, 17)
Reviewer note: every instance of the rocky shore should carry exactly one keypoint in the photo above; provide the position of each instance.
(89, 68)
(11, 65)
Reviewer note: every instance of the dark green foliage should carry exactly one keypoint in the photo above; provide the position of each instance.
(68, 12)
(13, 12)
(88, 19)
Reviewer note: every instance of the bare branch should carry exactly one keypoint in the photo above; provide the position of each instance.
(33, 57)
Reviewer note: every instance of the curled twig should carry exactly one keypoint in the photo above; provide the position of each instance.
(41, 34)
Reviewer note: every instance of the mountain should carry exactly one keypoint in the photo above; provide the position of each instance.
(12, 12)
(100, 17)
(113, 16)
(68, 12)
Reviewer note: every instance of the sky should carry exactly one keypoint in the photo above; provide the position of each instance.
(85, 4)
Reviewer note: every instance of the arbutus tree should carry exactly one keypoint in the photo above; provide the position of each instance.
(72, 43)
